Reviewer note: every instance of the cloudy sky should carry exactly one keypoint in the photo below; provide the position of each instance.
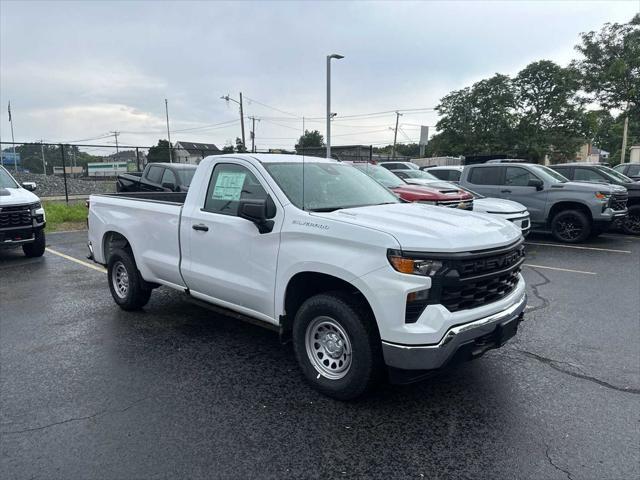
(78, 70)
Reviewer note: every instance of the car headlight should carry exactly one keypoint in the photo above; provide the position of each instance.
(604, 196)
(414, 266)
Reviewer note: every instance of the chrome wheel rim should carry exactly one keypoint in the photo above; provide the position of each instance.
(120, 279)
(328, 348)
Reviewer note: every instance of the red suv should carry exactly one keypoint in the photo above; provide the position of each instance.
(447, 197)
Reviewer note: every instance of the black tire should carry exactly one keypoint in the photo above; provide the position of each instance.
(35, 248)
(353, 317)
(128, 288)
(631, 224)
(570, 226)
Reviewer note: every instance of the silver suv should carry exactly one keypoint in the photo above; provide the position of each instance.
(572, 211)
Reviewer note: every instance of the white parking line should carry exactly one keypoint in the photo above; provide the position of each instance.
(79, 262)
(621, 237)
(560, 269)
(578, 247)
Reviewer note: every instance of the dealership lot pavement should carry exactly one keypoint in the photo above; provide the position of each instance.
(90, 391)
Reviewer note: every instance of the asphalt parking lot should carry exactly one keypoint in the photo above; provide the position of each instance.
(90, 391)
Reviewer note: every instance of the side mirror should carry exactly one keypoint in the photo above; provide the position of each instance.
(169, 186)
(536, 182)
(259, 212)
(31, 186)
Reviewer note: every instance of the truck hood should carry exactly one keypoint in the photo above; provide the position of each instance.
(16, 196)
(589, 187)
(441, 184)
(427, 228)
(497, 205)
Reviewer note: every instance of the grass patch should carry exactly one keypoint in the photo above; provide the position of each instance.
(61, 216)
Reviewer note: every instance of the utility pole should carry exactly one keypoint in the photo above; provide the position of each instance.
(624, 134)
(229, 99)
(395, 136)
(44, 164)
(253, 133)
(115, 135)
(166, 110)
(13, 141)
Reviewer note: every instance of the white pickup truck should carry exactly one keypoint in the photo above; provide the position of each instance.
(362, 284)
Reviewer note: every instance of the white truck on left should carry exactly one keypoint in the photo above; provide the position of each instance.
(22, 218)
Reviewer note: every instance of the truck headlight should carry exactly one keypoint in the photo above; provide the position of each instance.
(604, 196)
(414, 266)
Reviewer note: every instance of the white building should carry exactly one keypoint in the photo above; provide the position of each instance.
(191, 152)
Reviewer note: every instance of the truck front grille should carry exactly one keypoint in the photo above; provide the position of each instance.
(19, 216)
(619, 202)
(481, 292)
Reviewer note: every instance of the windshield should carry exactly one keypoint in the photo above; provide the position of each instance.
(328, 186)
(6, 181)
(381, 175)
(548, 174)
(419, 174)
(186, 175)
(615, 174)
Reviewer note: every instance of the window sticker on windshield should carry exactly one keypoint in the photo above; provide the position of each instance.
(228, 186)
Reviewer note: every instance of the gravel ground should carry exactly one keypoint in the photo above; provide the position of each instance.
(51, 185)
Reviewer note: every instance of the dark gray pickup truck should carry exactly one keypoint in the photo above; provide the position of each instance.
(157, 177)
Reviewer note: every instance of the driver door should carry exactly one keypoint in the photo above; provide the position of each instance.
(516, 187)
(227, 260)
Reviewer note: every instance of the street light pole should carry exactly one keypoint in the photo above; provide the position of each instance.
(329, 57)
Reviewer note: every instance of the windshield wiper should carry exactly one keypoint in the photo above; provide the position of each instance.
(325, 209)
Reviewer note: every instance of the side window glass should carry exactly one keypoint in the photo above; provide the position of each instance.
(155, 174)
(228, 185)
(586, 175)
(634, 170)
(169, 177)
(518, 177)
(485, 176)
(454, 175)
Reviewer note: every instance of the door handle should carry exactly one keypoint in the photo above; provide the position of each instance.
(505, 191)
(200, 227)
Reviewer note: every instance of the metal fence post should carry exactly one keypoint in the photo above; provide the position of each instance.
(64, 174)
(137, 159)
(370, 153)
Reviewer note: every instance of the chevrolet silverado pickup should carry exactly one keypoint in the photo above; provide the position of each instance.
(22, 218)
(364, 285)
(157, 177)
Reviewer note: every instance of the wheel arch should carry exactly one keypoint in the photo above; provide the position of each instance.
(113, 240)
(568, 205)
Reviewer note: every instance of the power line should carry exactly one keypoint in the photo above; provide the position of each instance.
(272, 108)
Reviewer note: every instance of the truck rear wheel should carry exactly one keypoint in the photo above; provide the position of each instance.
(35, 248)
(570, 226)
(337, 345)
(127, 286)
(631, 224)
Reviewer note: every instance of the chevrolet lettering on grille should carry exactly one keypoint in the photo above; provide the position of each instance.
(492, 263)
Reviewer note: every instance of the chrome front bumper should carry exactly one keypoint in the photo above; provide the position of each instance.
(469, 340)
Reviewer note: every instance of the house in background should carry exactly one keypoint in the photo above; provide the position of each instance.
(591, 154)
(192, 152)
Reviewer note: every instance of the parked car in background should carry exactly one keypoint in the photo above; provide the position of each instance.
(589, 172)
(507, 209)
(365, 286)
(157, 177)
(631, 170)
(441, 196)
(572, 211)
(399, 165)
(22, 218)
(450, 173)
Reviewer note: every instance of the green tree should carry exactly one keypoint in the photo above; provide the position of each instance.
(610, 66)
(551, 119)
(227, 149)
(240, 147)
(310, 139)
(159, 152)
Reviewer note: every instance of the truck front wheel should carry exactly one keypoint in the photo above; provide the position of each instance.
(126, 284)
(35, 248)
(337, 345)
(571, 226)
(631, 224)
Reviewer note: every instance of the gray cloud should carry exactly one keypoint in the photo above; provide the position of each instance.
(77, 70)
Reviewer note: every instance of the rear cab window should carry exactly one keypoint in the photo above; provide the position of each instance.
(485, 176)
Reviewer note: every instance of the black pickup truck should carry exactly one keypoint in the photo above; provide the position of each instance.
(590, 172)
(157, 177)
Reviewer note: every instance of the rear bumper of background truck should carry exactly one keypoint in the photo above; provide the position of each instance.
(461, 342)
